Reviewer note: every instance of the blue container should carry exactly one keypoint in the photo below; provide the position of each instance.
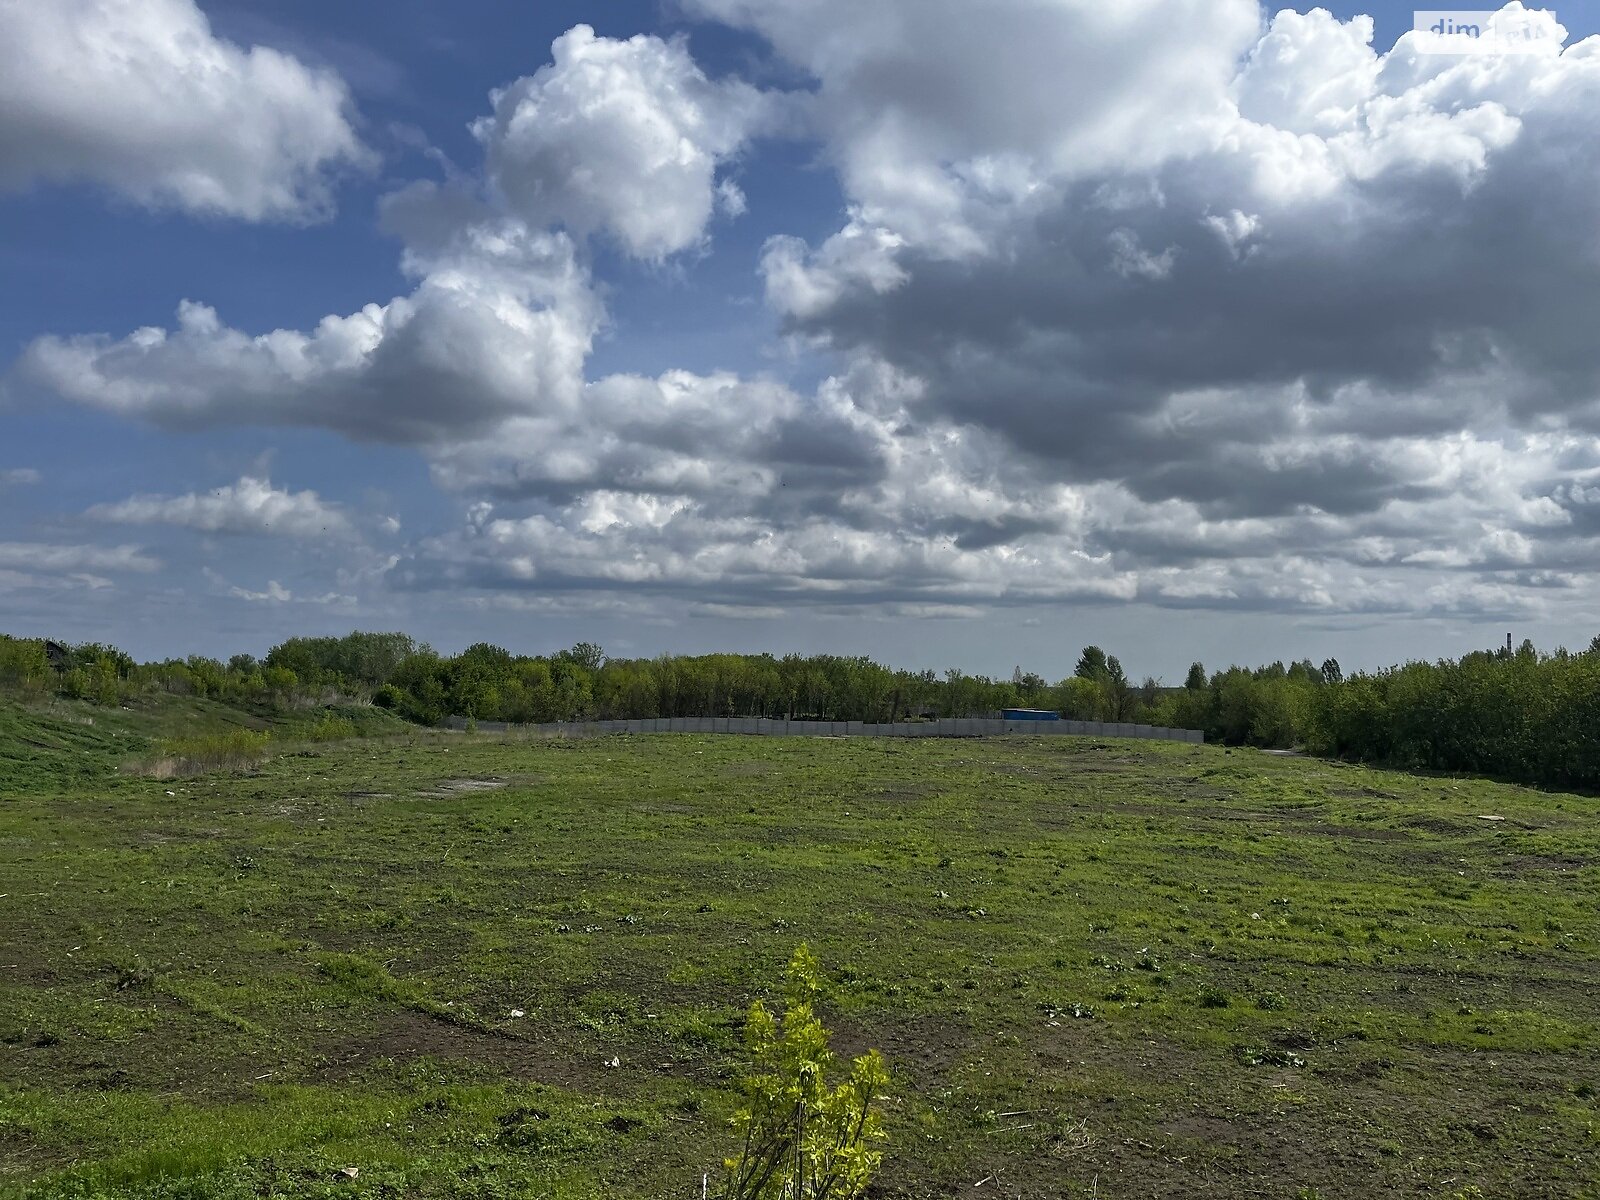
(1031, 714)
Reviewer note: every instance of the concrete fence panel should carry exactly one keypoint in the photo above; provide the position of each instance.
(962, 727)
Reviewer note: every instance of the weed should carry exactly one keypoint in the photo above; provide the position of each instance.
(203, 754)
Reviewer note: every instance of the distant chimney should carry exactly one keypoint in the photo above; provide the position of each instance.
(1508, 643)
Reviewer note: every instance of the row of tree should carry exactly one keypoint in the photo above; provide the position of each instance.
(106, 675)
(1512, 714)
(1517, 714)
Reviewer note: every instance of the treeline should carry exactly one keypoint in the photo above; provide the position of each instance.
(1512, 714)
(106, 675)
(1519, 715)
(488, 683)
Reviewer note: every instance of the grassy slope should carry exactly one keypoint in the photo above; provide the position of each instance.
(1120, 969)
(58, 746)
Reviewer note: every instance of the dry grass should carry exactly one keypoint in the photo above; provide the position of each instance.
(236, 750)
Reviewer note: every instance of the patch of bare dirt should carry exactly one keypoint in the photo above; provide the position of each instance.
(1535, 864)
(450, 788)
(923, 1051)
(404, 1035)
(1442, 825)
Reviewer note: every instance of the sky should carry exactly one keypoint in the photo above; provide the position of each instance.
(958, 335)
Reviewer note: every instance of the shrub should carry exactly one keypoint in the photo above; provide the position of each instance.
(329, 728)
(802, 1139)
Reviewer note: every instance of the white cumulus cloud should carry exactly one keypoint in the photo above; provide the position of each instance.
(623, 137)
(249, 506)
(1139, 303)
(139, 96)
(500, 323)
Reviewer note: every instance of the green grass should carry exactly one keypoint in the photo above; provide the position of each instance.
(71, 745)
(1097, 968)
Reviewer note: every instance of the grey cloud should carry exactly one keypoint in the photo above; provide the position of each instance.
(53, 558)
(1363, 261)
(972, 534)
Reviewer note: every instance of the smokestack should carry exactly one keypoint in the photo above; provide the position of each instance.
(1508, 643)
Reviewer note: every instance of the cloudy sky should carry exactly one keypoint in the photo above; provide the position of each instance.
(953, 333)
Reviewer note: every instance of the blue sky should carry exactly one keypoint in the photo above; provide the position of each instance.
(905, 333)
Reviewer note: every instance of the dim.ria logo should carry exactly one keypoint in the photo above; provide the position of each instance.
(1511, 30)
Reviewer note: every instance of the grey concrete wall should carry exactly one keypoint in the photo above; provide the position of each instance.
(760, 726)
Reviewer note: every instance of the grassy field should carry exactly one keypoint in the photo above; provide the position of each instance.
(1109, 969)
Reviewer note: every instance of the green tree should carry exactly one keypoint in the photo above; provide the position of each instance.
(1080, 699)
(1091, 663)
(24, 665)
(1119, 692)
(586, 655)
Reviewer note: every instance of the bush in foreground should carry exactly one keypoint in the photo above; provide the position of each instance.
(802, 1139)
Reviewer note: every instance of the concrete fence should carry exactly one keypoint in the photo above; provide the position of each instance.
(762, 727)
